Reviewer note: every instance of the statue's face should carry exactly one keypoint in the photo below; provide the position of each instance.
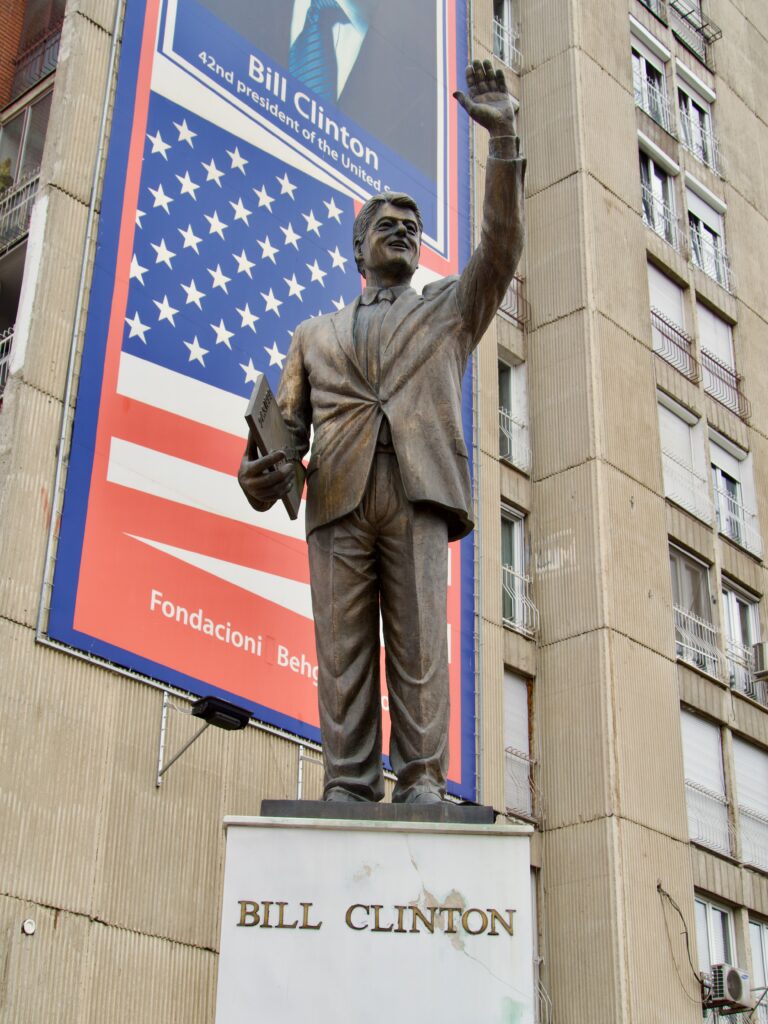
(390, 249)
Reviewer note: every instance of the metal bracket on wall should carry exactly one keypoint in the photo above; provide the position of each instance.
(212, 711)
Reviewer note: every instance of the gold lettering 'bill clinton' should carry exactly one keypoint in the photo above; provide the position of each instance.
(399, 919)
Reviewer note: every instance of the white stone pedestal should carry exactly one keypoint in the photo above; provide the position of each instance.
(346, 922)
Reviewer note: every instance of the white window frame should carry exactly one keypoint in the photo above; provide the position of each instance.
(649, 76)
(751, 783)
(514, 433)
(696, 636)
(658, 198)
(518, 610)
(741, 631)
(735, 497)
(25, 112)
(712, 912)
(506, 35)
(707, 232)
(518, 760)
(706, 796)
(685, 479)
(696, 131)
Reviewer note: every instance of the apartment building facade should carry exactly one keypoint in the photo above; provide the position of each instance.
(621, 490)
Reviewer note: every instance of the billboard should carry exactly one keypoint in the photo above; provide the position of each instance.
(233, 177)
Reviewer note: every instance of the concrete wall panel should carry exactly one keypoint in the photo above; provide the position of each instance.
(556, 252)
(492, 709)
(549, 122)
(607, 110)
(548, 28)
(576, 722)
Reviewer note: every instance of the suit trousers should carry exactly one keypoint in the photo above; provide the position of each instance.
(388, 557)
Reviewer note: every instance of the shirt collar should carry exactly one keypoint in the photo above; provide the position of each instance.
(370, 294)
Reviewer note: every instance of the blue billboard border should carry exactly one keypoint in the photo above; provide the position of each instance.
(77, 488)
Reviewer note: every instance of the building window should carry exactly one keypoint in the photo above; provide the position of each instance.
(758, 940)
(21, 150)
(735, 499)
(670, 339)
(657, 7)
(705, 226)
(696, 132)
(708, 819)
(39, 44)
(518, 763)
(714, 934)
(742, 631)
(518, 610)
(683, 458)
(695, 635)
(649, 84)
(720, 377)
(506, 36)
(695, 32)
(513, 415)
(658, 200)
(751, 765)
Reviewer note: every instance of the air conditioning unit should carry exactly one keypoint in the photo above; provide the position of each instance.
(730, 988)
(760, 660)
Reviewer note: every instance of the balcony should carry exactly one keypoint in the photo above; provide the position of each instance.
(738, 523)
(518, 610)
(712, 258)
(654, 102)
(754, 838)
(708, 822)
(16, 208)
(513, 438)
(506, 44)
(740, 663)
(660, 217)
(518, 782)
(694, 31)
(696, 643)
(6, 341)
(514, 305)
(37, 61)
(701, 143)
(674, 345)
(724, 384)
(683, 486)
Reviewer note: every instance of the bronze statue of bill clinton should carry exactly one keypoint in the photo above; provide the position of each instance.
(388, 479)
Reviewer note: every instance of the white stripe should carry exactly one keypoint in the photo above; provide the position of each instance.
(165, 476)
(287, 593)
(176, 393)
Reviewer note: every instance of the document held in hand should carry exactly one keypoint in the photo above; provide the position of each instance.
(270, 434)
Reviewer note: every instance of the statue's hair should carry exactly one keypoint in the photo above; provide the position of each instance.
(368, 212)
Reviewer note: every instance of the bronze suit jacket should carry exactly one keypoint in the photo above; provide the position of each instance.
(426, 341)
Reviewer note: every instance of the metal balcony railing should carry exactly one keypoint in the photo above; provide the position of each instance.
(754, 837)
(37, 61)
(513, 441)
(514, 304)
(660, 217)
(708, 821)
(724, 384)
(740, 664)
(683, 486)
(703, 144)
(674, 345)
(694, 31)
(506, 44)
(518, 610)
(712, 258)
(16, 208)
(657, 7)
(653, 100)
(738, 523)
(518, 782)
(6, 341)
(696, 643)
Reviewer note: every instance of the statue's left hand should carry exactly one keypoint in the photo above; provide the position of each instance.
(487, 100)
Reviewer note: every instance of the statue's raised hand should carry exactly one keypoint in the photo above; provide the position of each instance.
(487, 100)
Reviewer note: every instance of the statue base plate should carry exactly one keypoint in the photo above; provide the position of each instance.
(326, 810)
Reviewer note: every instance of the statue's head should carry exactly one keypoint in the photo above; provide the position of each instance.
(386, 237)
